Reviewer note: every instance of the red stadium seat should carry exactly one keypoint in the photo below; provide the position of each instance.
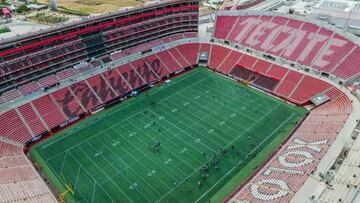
(32, 119)
(13, 128)
(50, 113)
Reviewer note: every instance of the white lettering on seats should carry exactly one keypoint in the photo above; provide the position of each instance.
(302, 158)
(314, 39)
(259, 31)
(247, 24)
(268, 171)
(277, 189)
(298, 36)
(285, 40)
(267, 42)
(334, 42)
(315, 146)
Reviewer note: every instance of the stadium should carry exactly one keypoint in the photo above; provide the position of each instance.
(137, 106)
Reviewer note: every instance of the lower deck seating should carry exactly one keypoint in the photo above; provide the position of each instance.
(205, 47)
(101, 88)
(217, 55)
(49, 112)
(131, 76)
(157, 66)
(168, 61)
(12, 127)
(178, 57)
(9, 150)
(19, 182)
(262, 66)
(277, 71)
(177, 37)
(32, 119)
(266, 83)
(257, 79)
(339, 104)
(190, 35)
(247, 61)
(231, 60)
(143, 68)
(85, 95)
(288, 84)
(67, 102)
(308, 88)
(190, 52)
(242, 73)
(117, 82)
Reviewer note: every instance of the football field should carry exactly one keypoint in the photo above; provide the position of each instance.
(179, 142)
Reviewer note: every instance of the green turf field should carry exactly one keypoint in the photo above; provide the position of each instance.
(112, 156)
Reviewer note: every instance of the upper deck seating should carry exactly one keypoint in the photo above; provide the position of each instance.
(292, 39)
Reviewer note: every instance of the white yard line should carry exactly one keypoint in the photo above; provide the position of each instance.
(90, 176)
(250, 97)
(196, 122)
(111, 164)
(184, 132)
(136, 160)
(77, 178)
(248, 104)
(62, 165)
(105, 174)
(233, 103)
(208, 113)
(175, 154)
(170, 151)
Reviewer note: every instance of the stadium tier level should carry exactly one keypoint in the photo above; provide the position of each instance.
(135, 107)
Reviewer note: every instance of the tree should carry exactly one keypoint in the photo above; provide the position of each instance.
(22, 8)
